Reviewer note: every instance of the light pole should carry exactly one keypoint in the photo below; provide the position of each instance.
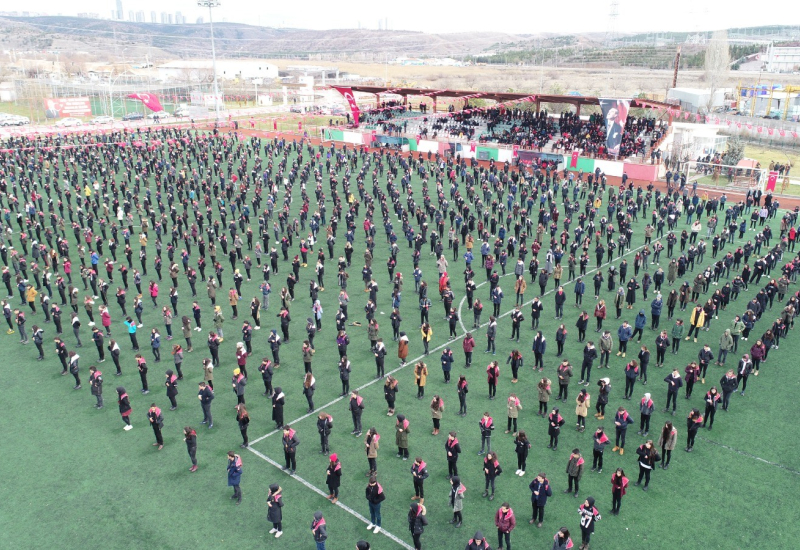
(212, 4)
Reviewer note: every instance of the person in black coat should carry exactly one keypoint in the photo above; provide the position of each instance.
(171, 384)
(190, 437)
(274, 512)
(356, 409)
(206, 395)
(453, 449)
(265, 368)
(416, 523)
(278, 400)
(96, 385)
(290, 443)
(419, 473)
(157, 423)
(243, 419)
(333, 478)
(124, 407)
(324, 427)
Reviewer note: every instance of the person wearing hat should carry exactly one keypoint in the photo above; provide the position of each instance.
(319, 530)
(274, 512)
(333, 478)
(235, 475)
(478, 542)
(589, 515)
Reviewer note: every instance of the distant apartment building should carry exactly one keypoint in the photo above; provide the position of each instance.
(140, 16)
(120, 13)
(153, 17)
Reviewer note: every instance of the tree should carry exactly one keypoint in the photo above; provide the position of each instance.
(734, 151)
(717, 64)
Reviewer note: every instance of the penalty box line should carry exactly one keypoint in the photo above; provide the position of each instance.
(320, 492)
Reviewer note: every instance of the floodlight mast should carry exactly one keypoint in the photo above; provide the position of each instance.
(212, 4)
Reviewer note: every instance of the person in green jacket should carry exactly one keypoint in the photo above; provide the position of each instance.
(219, 320)
(677, 334)
(725, 345)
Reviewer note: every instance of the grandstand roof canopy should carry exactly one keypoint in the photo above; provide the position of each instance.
(501, 96)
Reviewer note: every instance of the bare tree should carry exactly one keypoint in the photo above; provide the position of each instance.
(717, 64)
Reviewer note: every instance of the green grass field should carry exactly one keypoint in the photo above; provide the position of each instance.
(73, 478)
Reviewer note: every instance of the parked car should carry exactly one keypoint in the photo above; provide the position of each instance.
(133, 116)
(13, 120)
(103, 119)
(69, 121)
(181, 112)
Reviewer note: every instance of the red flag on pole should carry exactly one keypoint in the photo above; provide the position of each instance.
(772, 180)
(574, 161)
(351, 100)
(150, 101)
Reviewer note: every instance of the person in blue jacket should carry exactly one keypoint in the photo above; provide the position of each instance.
(540, 490)
(624, 333)
(580, 288)
(235, 475)
(639, 323)
(447, 364)
(655, 311)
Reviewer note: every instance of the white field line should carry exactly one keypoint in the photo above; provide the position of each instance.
(322, 493)
(412, 361)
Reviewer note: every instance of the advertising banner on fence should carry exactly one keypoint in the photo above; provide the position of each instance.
(615, 111)
(67, 106)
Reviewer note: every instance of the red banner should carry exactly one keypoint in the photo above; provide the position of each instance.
(573, 163)
(772, 180)
(150, 101)
(351, 100)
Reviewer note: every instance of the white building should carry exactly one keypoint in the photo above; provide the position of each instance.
(782, 59)
(696, 99)
(201, 70)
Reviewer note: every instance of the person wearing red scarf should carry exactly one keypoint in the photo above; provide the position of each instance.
(619, 486)
(319, 530)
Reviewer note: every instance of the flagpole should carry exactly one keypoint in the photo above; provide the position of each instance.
(212, 4)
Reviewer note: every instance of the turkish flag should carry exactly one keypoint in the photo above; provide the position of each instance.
(351, 100)
(515, 151)
(772, 180)
(573, 163)
(472, 146)
(150, 101)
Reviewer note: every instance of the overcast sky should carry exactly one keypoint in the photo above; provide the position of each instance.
(515, 16)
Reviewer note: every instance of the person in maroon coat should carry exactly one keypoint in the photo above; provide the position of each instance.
(505, 521)
(619, 486)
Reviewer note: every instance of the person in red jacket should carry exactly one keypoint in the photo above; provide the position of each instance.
(468, 345)
(619, 486)
(505, 521)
